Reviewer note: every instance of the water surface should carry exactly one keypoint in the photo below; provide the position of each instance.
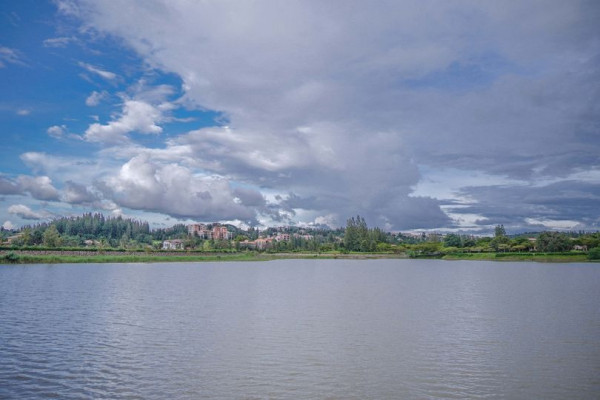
(292, 329)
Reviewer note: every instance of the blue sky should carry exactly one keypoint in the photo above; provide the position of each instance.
(448, 116)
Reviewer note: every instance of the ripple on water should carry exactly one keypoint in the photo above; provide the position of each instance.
(300, 329)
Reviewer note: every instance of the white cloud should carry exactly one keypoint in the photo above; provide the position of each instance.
(171, 189)
(10, 56)
(56, 131)
(84, 170)
(8, 225)
(98, 71)
(95, 98)
(39, 187)
(23, 112)
(62, 41)
(137, 116)
(25, 212)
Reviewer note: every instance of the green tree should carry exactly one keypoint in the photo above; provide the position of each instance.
(51, 237)
(500, 240)
(27, 237)
(351, 235)
(452, 240)
(554, 242)
(594, 254)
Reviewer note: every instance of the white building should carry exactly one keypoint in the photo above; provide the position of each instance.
(175, 244)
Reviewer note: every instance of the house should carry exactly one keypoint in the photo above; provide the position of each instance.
(532, 243)
(580, 247)
(259, 244)
(263, 243)
(175, 244)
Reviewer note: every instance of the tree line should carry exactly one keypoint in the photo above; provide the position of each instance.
(118, 232)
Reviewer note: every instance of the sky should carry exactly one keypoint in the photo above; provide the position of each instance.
(437, 115)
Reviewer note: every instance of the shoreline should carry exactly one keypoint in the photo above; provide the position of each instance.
(8, 257)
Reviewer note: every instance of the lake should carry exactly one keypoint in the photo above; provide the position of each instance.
(301, 329)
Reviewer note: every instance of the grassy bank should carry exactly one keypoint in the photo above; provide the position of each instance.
(49, 257)
(55, 257)
(12, 258)
(537, 257)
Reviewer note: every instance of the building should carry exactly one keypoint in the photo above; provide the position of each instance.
(259, 244)
(283, 237)
(263, 243)
(174, 244)
(199, 230)
(220, 232)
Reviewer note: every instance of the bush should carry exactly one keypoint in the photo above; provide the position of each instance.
(11, 258)
(594, 254)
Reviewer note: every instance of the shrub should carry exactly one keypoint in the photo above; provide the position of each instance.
(594, 254)
(11, 257)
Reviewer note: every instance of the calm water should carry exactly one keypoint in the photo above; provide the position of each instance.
(301, 329)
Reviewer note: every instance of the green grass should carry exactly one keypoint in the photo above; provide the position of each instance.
(149, 257)
(115, 258)
(538, 257)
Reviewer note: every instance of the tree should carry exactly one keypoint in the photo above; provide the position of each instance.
(500, 239)
(594, 254)
(452, 240)
(499, 231)
(27, 237)
(553, 242)
(51, 237)
(351, 235)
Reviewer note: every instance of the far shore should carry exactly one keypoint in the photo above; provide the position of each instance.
(115, 256)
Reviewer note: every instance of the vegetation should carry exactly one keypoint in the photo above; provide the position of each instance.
(594, 254)
(117, 239)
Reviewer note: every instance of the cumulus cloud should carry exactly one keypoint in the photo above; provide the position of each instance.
(174, 190)
(25, 212)
(39, 187)
(76, 193)
(137, 116)
(341, 106)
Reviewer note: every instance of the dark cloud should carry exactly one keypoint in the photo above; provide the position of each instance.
(76, 193)
(8, 186)
(516, 205)
(39, 187)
